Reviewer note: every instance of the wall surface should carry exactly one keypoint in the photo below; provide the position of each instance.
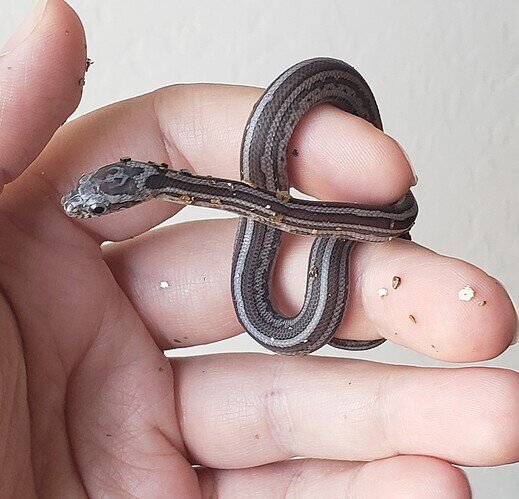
(446, 77)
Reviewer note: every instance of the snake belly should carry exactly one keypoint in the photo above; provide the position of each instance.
(264, 164)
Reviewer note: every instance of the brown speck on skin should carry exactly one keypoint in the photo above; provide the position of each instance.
(108, 434)
(82, 81)
(161, 368)
(9, 67)
(482, 303)
(295, 153)
(176, 340)
(396, 334)
(313, 272)
(434, 347)
(395, 282)
(349, 382)
(256, 436)
(185, 337)
(412, 318)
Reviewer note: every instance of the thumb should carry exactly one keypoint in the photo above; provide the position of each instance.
(41, 77)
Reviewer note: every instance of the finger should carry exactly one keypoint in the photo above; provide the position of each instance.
(178, 279)
(240, 410)
(41, 71)
(397, 477)
(200, 127)
(15, 438)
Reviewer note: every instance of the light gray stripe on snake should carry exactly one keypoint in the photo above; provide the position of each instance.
(257, 112)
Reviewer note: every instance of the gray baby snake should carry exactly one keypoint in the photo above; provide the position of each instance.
(266, 209)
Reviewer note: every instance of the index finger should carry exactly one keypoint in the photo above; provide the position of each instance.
(199, 127)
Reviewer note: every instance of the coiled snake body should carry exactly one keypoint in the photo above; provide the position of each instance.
(266, 208)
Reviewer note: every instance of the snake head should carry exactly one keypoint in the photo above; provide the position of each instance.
(110, 188)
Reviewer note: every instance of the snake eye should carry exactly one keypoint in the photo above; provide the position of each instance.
(99, 209)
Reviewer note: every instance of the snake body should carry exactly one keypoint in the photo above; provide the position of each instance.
(266, 209)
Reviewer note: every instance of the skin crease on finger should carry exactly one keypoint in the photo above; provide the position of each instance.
(102, 396)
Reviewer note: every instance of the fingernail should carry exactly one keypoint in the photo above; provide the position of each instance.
(25, 28)
(515, 338)
(516, 335)
(415, 177)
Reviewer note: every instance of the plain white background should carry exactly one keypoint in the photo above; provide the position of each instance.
(446, 77)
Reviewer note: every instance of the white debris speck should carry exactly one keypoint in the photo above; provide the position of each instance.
(164, 284)
(272, 339)
(382, 292)
(466, 294)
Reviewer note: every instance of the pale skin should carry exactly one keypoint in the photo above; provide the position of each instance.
(89, 405)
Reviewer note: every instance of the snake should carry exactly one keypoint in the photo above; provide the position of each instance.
(266, 209)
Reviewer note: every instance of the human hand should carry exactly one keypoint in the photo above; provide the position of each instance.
(90, 405)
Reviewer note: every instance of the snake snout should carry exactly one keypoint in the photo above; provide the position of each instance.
(72, 204)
